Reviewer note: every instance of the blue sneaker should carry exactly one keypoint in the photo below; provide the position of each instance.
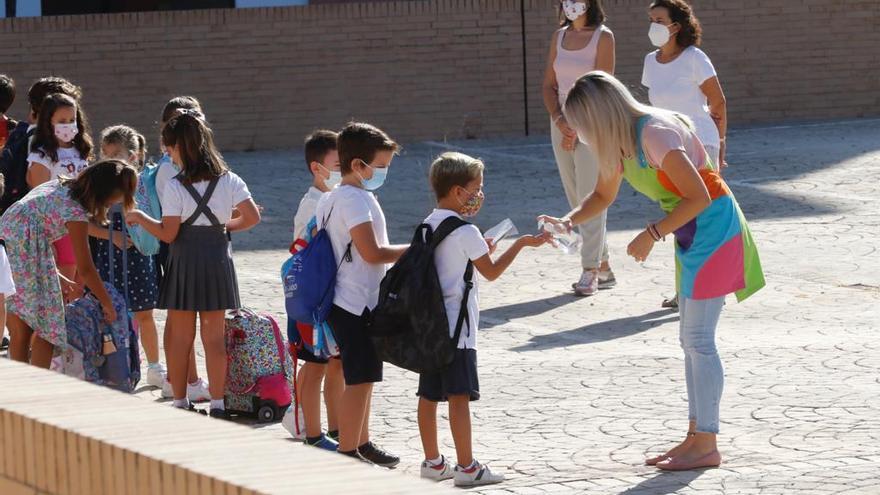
(323, 442)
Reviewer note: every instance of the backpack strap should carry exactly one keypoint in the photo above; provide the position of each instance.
(201, 201)
(445, 228)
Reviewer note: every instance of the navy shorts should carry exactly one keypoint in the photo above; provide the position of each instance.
(460, 378)
(360, 363)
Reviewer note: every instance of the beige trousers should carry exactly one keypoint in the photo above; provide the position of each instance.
(579, 171)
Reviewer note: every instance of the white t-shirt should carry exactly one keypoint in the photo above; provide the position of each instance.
(676, 86)
(230, 191)
(167, 171)
(305, 212)
(451, 257)
(69, 163)
(357, 282)
(7, 285)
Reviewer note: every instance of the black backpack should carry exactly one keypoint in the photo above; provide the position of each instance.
(14, 165)
(409, 326)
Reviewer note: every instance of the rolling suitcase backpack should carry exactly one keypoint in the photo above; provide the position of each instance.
(259, 368)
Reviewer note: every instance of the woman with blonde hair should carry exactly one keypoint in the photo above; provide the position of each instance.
(660, 155)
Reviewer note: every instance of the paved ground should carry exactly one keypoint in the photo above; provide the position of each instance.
(577, 391)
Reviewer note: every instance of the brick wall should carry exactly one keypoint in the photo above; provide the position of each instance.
(426, 69)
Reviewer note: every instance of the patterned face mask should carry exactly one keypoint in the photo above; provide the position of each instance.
(66, 132)
(472, 206)
(573, 9)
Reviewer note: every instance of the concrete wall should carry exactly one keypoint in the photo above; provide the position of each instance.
(426, 69)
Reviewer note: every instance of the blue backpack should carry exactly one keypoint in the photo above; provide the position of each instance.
(310, 279)
(147, 199)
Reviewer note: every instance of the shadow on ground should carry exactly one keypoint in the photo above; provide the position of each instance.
(600, 332)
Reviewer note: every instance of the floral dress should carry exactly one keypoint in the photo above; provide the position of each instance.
(29, 227)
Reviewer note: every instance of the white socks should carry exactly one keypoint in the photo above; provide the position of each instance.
(435, 462)
(218, 404)
(181, 403)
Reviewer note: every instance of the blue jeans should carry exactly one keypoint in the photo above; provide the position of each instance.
(702, 365)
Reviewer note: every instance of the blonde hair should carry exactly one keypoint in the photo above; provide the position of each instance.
(128, 139)
(453, 169)
(602, 110)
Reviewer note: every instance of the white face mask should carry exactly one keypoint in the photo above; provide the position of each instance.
(659, 34)
(573, 9)
(66, 132)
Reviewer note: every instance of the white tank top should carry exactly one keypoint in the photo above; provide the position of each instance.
(572, 64)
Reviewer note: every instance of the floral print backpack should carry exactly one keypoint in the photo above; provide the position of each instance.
(259, 369)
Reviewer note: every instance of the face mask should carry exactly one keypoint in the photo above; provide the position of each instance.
(659, 34)
(573, 9)
(376, 181)
(66, 132)
(335, 178)
(472, 206)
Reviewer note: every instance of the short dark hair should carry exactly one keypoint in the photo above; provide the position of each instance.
(318, 144)
(359, 140)
(595, 14)
(691, 33)
(7, 92)
(51, 85)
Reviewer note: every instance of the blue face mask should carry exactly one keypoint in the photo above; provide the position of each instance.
(376, 181)
(334, 179)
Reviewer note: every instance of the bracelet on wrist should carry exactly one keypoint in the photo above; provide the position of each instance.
(655, 233)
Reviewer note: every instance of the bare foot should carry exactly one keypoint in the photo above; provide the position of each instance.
(678, 449)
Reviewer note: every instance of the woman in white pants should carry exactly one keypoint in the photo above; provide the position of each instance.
(680, 77)
(581, 45)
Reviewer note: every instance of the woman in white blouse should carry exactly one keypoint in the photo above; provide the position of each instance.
(581, 45)
(680, 77)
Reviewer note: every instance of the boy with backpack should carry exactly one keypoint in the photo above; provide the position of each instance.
(351, 217)
(457, 181)
(14, 157)
(322, 159)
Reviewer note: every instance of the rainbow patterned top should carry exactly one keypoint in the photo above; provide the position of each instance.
(714, 253)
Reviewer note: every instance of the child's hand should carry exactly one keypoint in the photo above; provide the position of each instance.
(117, 241)
(135, 217)
(534, 240)
(109, 313)
(492, 245)
(70, 290)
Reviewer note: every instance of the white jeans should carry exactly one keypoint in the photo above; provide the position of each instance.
(579, 171)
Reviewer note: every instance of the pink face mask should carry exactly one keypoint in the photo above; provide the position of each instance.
(66, 132)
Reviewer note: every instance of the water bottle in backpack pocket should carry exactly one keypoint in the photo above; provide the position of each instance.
(409, 326)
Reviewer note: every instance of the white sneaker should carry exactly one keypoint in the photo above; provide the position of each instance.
(156, 376)
(476, 475)
(167, 392)
(294, 423)
(440, 472)
(198, 391)
(588, 284)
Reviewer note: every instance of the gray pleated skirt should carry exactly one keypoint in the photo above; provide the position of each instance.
(199, 272)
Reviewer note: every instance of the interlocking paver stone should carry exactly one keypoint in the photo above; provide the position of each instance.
(577, 391)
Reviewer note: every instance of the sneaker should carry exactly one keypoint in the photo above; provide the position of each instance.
(198, 391)
(167, 392)
(354, 454)
(219, 414)
(377, 456)
(4, 344)
(323, 442)
(588, 284)
(606, 279)
(671, 303)
(334, 434)
(156, 376)
(440, 472)
(294, 424)
(476, 475)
